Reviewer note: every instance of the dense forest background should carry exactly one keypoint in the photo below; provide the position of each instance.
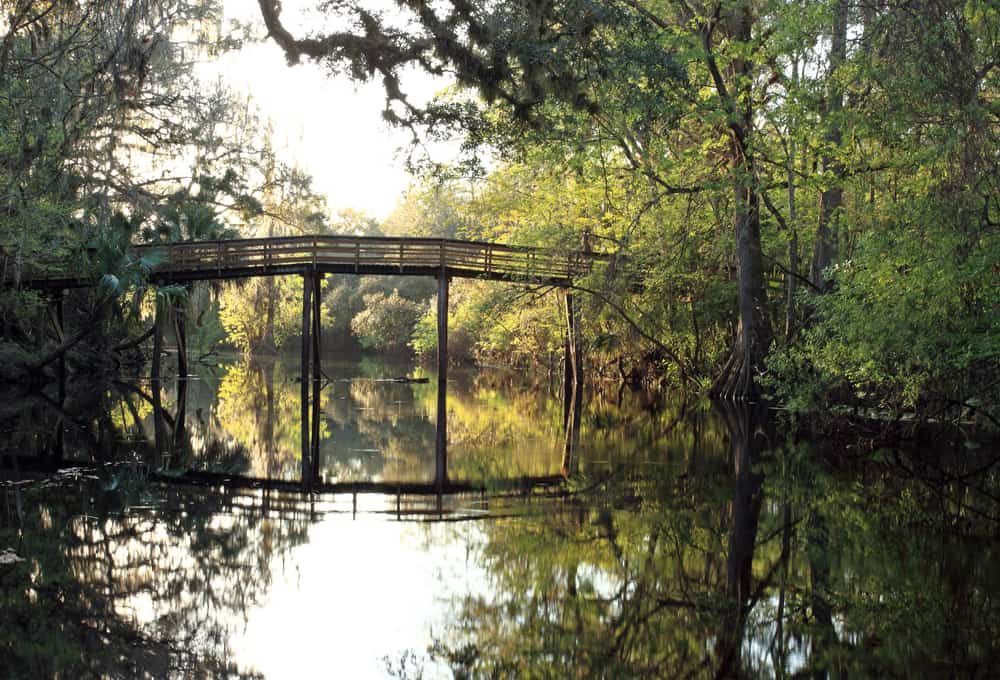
(807, 192)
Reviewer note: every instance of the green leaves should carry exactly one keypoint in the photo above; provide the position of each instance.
(386, 321)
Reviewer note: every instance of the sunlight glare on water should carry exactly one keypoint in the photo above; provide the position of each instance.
(361, 590)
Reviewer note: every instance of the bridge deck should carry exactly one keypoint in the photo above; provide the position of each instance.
(239, 258)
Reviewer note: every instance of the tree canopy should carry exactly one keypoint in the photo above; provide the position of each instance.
(816, 180)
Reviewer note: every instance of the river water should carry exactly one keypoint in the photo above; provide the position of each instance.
(690, 539)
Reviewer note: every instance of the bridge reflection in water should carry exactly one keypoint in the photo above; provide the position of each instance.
(313, 480)
(234, 427)
(312, 258)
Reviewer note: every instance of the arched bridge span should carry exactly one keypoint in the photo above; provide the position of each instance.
(371, 255)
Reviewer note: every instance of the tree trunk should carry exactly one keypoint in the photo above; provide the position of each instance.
(59, 352)
(753, 334)
(793, 244)
(832, 198)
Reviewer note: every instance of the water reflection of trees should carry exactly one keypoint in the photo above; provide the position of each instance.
(258, 406)
(700, 543)
(134, 581)
(754, 561)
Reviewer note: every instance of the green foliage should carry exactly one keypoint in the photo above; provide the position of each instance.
(911, 323)
(208, 333)
(187, 217)
(262, 313)
(348, 297)
(386, 322)
(108, 138)
(423, 339)
(914, 318)
(433, 210)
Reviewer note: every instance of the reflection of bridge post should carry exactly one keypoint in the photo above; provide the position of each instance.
(268, 374)
(180, 332)
(441, 440)
(180, 428)
(159, 431)
(572, 388)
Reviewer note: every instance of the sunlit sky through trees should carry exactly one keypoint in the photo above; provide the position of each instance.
(328, 125)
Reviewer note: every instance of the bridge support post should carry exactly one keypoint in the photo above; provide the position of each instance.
(441, 441)
(572, 387)
(180, 334)
(567, 392)
(317, 370)
(58, 323)
(157, 340)
(304, 373)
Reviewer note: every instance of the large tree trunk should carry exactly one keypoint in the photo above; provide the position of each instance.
(832, 198)
(753, 333)
(753, 336)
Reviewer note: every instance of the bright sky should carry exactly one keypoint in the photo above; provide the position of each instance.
(330, 126)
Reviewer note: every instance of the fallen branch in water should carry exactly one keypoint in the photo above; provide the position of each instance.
(129, 344)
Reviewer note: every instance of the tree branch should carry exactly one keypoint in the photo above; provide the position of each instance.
(635, 326)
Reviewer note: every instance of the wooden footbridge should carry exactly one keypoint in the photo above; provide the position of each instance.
(239, 258)
(313, 257)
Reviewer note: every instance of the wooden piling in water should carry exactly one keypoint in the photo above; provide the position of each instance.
(304, 373)
(441, 441)
(567, 364)
(317, 371)
(157, 342)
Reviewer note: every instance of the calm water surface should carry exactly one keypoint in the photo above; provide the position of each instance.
(690, 541)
